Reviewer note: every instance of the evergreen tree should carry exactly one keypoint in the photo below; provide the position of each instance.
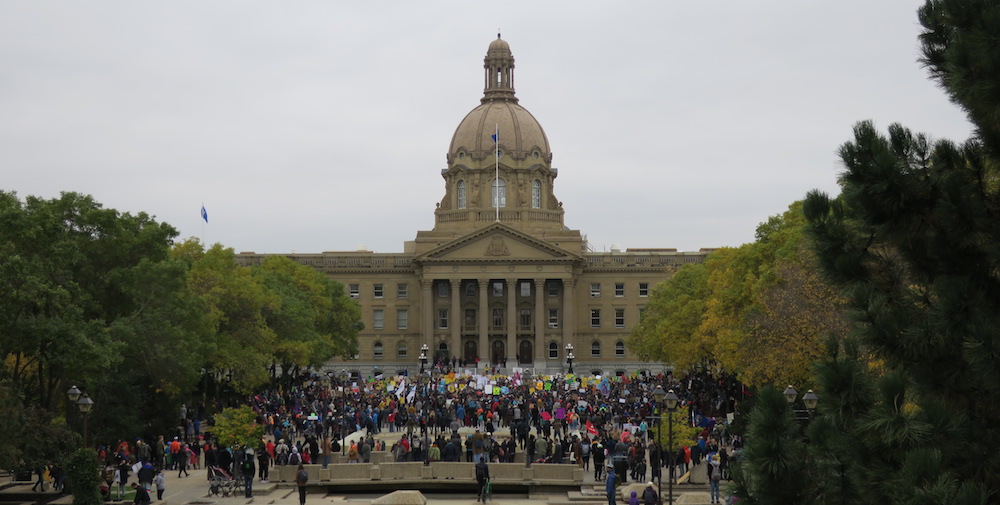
(915, 239)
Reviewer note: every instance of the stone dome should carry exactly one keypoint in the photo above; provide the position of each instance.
(519, 131)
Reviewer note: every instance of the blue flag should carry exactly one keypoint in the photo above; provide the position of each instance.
(494, 137)
(204, 213)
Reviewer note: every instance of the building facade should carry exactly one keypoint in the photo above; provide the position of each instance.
(499, 280)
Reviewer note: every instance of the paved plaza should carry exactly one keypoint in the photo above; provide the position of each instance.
(193, 490)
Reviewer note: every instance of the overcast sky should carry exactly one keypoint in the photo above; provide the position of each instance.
(321, 126)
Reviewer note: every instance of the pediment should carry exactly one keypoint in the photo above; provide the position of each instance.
(497, 243)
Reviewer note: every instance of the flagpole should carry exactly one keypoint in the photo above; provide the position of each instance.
(496, 160)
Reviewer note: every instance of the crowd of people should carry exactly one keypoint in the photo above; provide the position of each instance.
(601, 422)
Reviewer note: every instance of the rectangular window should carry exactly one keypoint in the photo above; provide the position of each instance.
(378, 351)
(470, 289)
(595, 350)
(642, 311)
(378, 319)
(377, 291)
(498, 289)
(553, 288)
(402, 319)
(526, 319)
(401, 350)
(619, 289)
(595, 289)
(498, 318)
(525, 289)
(443, 319)
(354, 290)
(443, 289)
(470, 319)
(553, 318)
(595, 318)
(553, 351)
(643, 289)
(402, 290)
(619, 318)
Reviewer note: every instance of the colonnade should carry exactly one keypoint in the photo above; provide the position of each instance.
(511, 331)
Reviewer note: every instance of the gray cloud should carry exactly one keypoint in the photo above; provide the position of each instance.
(673, 124)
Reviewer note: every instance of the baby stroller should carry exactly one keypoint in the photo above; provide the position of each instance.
(220, 482)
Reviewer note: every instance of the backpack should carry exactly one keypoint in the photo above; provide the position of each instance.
(294, 459)
(716, 472)
(247, 465)
(480, 472)
(302, 478)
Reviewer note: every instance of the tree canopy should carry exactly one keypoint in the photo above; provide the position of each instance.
(105, 300)
(910, 400)
(760, 310)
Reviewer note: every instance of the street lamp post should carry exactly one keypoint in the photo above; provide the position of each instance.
(569, 356)
(658, 395)
(84, 403)
(810, 399)
(423, 357)
(671, 401)
(427, 429)
(343, 425)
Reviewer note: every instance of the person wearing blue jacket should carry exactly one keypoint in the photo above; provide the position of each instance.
(609, 486)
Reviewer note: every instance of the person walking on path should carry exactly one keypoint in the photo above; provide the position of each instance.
(301, 480)
(482, 477)
(181, 459)
(161, 485)
(249, 470)
(40, 483)
(714, 479)
(609, 486)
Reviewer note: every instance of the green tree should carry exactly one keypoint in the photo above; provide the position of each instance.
(772, 468)
(313, 321)
(237, 426)
(914, 239)
(236, 305)
(668, 330)
(760, 310)
(83, 478)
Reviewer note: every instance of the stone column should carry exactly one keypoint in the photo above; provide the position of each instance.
(512, 318)
(427, 316)
(484, 319)
(457, 318)
(541, 323)
(569, 321)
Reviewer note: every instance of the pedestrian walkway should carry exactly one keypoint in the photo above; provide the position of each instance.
(193, 490)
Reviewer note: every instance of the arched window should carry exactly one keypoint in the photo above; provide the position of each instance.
(619, 349)
(536, 194)
(595, 349)
(553, 350)
(377, 350)
(499, 192)
(461, 195)
(401, 350)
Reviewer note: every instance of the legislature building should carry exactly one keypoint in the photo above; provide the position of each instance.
(500, 279)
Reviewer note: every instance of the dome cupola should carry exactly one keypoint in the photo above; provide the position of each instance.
(499, 161)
